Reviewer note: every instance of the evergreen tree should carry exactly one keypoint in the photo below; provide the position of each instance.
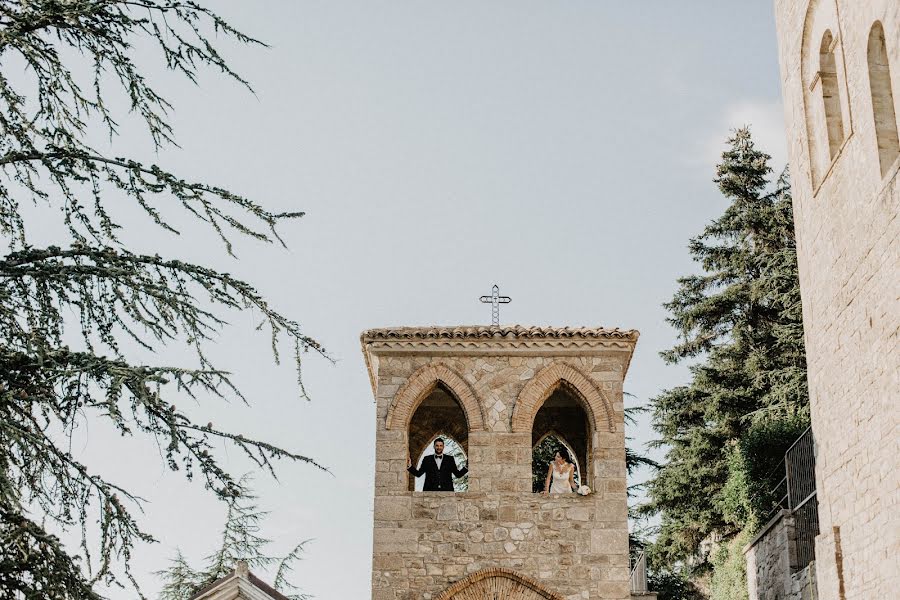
(66, 310)
(739, 324)
(241, 542)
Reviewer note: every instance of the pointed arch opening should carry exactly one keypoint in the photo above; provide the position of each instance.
(420, 384)
(439, 414)
(453, 448)
(596, 405)
(883, 110)
(543, 452)
(831, 95)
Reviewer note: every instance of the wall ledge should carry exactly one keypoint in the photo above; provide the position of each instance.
(782, 514)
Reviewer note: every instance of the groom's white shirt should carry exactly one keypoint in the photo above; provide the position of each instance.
(438, 459)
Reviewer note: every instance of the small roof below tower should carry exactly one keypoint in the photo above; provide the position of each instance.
(240, 584)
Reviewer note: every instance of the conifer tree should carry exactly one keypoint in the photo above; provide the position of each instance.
(241, 541)
(739, 325)
(69, 311)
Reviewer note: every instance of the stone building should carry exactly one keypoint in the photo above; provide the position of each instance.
(840, 68)
(497, 391)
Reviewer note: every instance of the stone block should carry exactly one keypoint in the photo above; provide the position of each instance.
(392, 508)
(608, 541)
(447, 512)
(391, 540)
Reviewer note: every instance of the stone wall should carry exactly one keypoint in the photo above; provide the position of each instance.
(803, 584)
(772, 569)
(848, 237)
(424, 542)
(771, 560)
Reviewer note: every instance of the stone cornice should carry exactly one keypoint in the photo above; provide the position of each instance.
(494, 333)
(496, 340)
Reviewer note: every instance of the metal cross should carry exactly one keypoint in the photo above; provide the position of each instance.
(495, 300)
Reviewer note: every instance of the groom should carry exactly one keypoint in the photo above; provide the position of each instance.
(439, 470)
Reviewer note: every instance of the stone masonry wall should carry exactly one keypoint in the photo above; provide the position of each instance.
(803, 584)
(772, 572)
(427, 541)
(848, 236)
(771, 560)
(424, 541)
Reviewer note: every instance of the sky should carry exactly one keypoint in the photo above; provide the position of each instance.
(564, 151)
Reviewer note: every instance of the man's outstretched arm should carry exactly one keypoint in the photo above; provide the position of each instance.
(416, 472)
(458, 472)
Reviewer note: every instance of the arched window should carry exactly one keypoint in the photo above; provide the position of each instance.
(560, 422)
(451, 448)
(882, 99)
(828, 80)
(543, 453)
(438, 415)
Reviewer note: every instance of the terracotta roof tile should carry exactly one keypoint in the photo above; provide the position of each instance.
(510, 332)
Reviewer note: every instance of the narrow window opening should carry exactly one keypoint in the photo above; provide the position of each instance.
(561, 422)
(439, 415)
(544, 453)
(882, 99)
(451, 448)
(831, 96)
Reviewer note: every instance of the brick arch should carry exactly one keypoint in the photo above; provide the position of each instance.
(499, 583)
(420, 384)
(539, 388)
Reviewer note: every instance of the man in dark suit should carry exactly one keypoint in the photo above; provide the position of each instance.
(439, 469)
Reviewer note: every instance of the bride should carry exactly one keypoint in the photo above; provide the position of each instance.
(560, 474)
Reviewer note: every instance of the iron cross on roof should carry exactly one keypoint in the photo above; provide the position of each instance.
(495, 300)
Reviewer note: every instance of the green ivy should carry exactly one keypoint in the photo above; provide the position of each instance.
(729, 574)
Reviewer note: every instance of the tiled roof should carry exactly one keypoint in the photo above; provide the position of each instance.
(501, 332)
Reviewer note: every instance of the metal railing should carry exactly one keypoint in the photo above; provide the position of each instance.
(796, 493)
(800, 474)
(800, 470)
(639, 575)
(806, 528)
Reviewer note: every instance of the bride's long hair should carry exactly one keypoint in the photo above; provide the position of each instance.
(564, 454)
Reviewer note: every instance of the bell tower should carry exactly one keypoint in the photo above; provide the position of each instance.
(497, 392)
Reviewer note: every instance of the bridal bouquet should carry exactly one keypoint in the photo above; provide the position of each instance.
(583, 490)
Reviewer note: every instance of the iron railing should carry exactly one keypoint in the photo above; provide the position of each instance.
(800, 474)
(639, 575)
(796, 493)
(800, 470)
(806, 528)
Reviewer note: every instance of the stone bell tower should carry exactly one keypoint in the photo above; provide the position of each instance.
(497, 392)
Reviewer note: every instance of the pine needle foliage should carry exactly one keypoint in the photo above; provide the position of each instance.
(69, 311)
(242, 541)
(740, 328)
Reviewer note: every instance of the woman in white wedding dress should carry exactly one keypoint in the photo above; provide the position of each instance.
(560, 474)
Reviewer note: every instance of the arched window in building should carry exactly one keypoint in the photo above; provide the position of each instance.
(828, 81)
(560, 422)
(882, 99)
(439, 415)
(451, 448)
(544, 452)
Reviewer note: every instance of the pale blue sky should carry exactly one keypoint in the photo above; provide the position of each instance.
(563, 150)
